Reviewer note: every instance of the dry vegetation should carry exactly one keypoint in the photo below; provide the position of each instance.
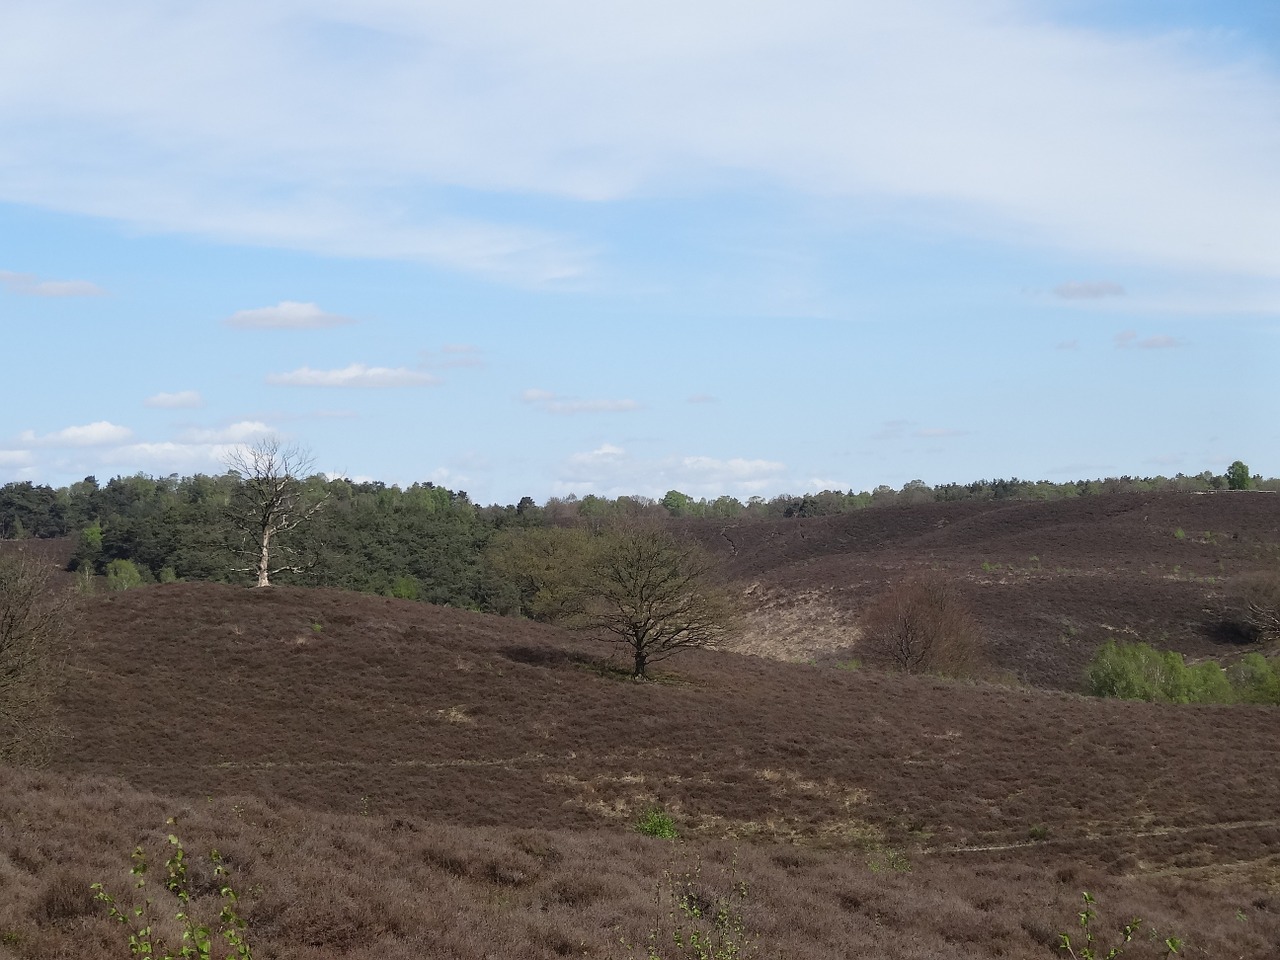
(389, 779)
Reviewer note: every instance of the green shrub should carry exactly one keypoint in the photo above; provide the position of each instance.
(123, 575)
(656, 822)
(1255, 679)
(405, 587)
(1138, 671)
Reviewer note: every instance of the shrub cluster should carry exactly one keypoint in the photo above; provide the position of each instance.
(1138, 671)
(923, 625)
(1253, 606)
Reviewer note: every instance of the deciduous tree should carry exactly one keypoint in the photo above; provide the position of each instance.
(269, 501)
(654, 593)
(1238, 477)
(35, 617)
(922, 625)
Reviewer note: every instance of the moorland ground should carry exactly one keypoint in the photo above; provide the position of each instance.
(393, 779)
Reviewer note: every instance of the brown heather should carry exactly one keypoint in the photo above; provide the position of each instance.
(393, 780)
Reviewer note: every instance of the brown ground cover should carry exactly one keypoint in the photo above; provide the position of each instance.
(390, 779)
(1050, 581)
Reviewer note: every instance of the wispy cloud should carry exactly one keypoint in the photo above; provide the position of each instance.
(167, 456)
(95, 434)
(355, 375)
(1092, 290)
(554, 403)
(243, 432)
(701, 398)
(182, 399)
(286, 315)
(609, 469)
(1129, 338)
(29, 284)
(1153, 147)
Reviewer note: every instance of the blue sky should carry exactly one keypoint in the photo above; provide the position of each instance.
(617, 248)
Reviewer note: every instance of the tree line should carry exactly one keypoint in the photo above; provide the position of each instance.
(423, 541)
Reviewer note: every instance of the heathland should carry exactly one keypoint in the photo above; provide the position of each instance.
(389, 778)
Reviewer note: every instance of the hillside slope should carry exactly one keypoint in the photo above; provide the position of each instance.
(390, 779)
(1050, 581)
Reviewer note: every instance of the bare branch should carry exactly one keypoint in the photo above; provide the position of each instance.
(35, 617)
(270, 500)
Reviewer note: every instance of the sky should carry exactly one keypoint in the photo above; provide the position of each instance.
(621, 248)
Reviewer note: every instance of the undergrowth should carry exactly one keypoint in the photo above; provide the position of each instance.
(198, 940)
(698, 919)
(1087, 941)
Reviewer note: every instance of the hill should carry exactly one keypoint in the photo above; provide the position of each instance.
(392, 779)
(1049, 581)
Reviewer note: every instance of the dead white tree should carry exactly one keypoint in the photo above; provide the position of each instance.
(270, 500)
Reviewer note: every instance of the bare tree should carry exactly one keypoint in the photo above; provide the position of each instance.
(35, 617)
(1253, 605)
(269, 501)
(654, 593)
(922, 625)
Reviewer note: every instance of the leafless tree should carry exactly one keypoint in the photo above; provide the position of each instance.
(1253, 605)
(270, 500)
(647, 589)
(36, 616)
(922, 625)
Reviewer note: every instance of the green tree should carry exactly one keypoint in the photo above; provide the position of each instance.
(1238, 476)
(677, 504)
(546, 566)
(123, 575)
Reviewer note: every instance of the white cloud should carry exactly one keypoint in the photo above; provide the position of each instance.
(168, 456)
(1092, 290)
(90, 435)
(31, 285)
(15, 458)
(286, 315)
(609, 470)
(242, 432)
(554, 403)
(183, 399)
(355, 375)
(604, 452)
(734, 470)
(269, 130)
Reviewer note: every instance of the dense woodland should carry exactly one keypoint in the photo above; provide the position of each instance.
(427, 542)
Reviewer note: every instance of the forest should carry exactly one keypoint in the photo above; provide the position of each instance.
(426, 542)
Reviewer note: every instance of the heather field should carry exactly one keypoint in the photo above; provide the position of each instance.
(393, 779)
